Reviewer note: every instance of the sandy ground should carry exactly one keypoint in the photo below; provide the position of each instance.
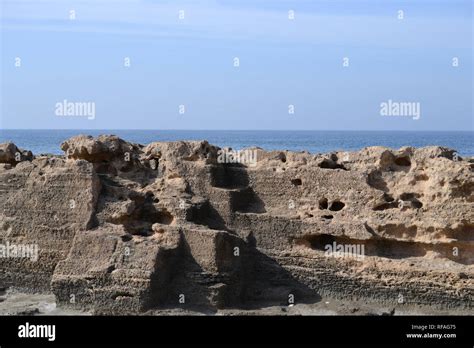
(18, 303)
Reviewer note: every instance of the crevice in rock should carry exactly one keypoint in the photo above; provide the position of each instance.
(330, 164)
(389, 248)
(372, 247)
(385, 206)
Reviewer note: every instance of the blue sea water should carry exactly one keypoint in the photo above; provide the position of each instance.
(48, 141)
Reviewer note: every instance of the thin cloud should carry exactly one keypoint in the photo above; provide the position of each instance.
(226, 20)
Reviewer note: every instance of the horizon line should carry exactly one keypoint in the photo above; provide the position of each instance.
(232, 130)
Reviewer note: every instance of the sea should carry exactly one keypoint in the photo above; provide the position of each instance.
(49, 141)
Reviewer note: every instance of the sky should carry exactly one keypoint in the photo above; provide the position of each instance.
(291, 72)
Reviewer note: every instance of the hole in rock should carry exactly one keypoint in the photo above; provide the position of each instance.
(412, 198)
(323, 203)
(328, 217)
(403, 161)
(421, 177)
(407, 196)
(165, 217)
(126, 237)
(296, 182)
(336, 206)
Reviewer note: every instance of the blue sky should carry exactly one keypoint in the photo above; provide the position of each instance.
(190, 62)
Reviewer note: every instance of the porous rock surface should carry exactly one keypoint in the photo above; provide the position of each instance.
(124, 228)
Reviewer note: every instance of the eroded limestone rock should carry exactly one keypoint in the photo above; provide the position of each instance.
(10, 154)
(126, 228)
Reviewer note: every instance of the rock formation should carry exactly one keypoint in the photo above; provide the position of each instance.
(125, 228)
